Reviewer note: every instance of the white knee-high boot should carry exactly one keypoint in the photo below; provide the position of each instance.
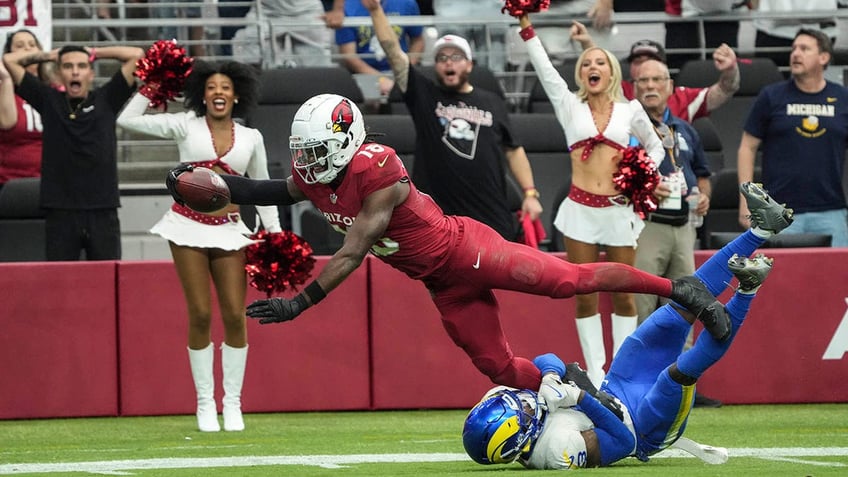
(591, 333)
(204, 383)
(622, 327)
(233, 361)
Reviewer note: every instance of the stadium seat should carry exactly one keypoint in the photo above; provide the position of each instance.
(711, 143)
(538, 101)
(396, 131)
(723, 216)
(282, 92)
(729, 119)
(22, 234)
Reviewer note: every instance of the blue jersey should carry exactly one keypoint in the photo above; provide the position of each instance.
(366, 43)
(804, 136)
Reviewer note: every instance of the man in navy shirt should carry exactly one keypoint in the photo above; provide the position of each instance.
(802, 126)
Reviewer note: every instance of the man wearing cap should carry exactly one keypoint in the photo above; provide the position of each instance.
(686, 103)
(463, 134)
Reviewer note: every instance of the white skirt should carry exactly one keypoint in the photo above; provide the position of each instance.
(186, 232)
(616, 226)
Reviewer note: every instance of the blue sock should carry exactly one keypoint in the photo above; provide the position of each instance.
(714, 272)
(707, 351)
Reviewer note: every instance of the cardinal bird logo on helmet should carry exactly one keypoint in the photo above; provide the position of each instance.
(342, 117)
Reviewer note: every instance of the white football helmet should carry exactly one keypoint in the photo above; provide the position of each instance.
(325, 134)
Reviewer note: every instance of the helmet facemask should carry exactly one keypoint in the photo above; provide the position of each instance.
(314, 160)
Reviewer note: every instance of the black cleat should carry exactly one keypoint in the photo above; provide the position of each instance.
(765, 212)
(751, 272)
(692, 294)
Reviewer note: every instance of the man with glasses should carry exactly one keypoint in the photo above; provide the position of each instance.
(463, 134)
(666, 246)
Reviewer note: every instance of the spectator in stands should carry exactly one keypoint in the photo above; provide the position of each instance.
(666, 246)
(688, 34)
(486, 38)
(463, 134)
(227, 32)
(309, 45)
(780, 32)
(212, 245)
(597, 125)
(167, 10)
(801, 127)
(79, 170)
(20, 124)
(688, 104)
(360, 47)
(365, 193)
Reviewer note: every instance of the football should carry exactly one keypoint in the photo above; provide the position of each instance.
(203, 190)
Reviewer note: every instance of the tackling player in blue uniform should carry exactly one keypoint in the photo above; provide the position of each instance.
(650, 387)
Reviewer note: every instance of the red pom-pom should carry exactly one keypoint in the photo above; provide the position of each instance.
(281, 261)
(164, 69)
(637, 177)
(517, 8)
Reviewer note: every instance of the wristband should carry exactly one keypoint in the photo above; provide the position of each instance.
(315, 292)
(527, 33)
(92, 55)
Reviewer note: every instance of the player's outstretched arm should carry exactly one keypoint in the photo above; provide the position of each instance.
(366, 231)
(262, 191)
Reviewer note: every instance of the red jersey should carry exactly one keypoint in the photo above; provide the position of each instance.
(687, 104)
(419, 235)
(20, 146)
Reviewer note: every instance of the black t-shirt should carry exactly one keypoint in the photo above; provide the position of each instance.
(459, 155)
(79, 167)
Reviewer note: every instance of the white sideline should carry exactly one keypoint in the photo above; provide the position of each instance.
(121, 467)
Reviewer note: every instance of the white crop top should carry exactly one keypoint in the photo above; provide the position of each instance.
(575, 117)
(194, 143)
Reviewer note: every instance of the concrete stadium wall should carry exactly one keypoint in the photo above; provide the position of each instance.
(108, 338)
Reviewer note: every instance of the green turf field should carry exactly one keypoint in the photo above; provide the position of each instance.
(775, 440)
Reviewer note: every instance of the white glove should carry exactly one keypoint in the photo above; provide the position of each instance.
(556, 394)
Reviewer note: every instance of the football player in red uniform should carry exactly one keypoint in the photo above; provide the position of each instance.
(364, 192)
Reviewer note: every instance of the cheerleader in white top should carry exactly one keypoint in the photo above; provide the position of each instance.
(598, 124)
(211, 245)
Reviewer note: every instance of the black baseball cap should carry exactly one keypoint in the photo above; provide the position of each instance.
(647, 48)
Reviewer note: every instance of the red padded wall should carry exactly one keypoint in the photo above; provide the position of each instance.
(57, 343)
(288, 363)
(778, 355)
(415, 362)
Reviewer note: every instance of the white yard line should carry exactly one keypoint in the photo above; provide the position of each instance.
(121, 467)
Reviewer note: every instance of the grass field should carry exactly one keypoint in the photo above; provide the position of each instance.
(774, 440)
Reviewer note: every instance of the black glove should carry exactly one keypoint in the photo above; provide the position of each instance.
(277, 310)
(171, 180)
(577, 375)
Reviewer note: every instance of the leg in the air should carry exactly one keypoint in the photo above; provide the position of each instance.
(767, 216)
(707, 351)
